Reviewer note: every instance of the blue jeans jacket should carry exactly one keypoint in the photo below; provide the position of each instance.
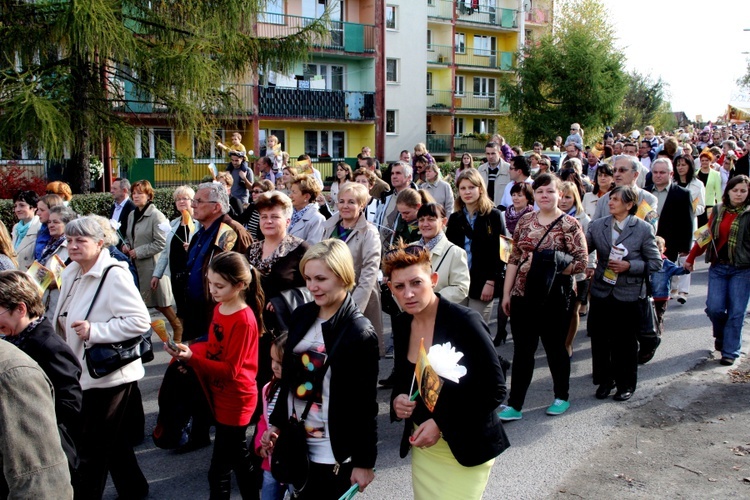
(661, 281)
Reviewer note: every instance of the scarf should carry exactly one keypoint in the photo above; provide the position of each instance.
(137, 214)
(21, 230)
(298, 214)
(512, 217)
(50, 248)
(429, 245)
(341, 233)
(20, 339)
(734, 229)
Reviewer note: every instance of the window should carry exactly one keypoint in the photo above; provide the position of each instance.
(390, 17)
(459, 125)
(274, 13)
(460, 42)
(429, 40)
(325, 142)
(429, 83)
(482, 45)
(330, 76)
(208, 150)
(390, 121)
(391, 70)
(264, 133)
(484, 126)
(155, 143)
(484, 87)
(460, 81)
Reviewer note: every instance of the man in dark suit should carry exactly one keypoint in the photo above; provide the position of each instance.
(675, 210)
(123, 205)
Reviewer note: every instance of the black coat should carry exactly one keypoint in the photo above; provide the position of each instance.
(59, 363)
(676, 221)
(353, 403)
(126, 209)
(485, 248)
(465, 411)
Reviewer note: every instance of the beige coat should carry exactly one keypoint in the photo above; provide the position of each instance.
(149, 243)
(25, 251)
(453, 271)
(364, 244)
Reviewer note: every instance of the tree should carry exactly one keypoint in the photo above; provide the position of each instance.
(744, 81)
(66, 63)
(642, 103)
(574, 74)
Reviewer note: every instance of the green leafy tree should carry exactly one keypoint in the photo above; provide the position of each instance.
(66, 64)
(642, 103)
(574, 74)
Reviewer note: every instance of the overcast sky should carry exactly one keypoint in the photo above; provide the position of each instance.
(696, 47)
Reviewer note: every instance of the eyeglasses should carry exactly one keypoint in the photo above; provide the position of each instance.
(195, 201)
(183, 199)
(7, 310)
(622, 170)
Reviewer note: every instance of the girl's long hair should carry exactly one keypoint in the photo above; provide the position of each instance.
(278, 343)
(235, 269)
(6, 245)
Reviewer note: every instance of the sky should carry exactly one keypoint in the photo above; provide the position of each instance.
(696, 47)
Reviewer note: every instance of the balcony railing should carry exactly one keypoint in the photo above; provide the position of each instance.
(344, 36)
(468, 145)
(492, 103)
(483, 58)
(538, 16)
(300, 103)
(439, 100)
(486, 14)
(126, 98)
(439, 54)
(440, 9)
(439, 143)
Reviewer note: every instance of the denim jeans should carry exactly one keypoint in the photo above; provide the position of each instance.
(272, 489)
(728, 295)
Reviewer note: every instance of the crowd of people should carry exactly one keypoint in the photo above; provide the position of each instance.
(275, 292)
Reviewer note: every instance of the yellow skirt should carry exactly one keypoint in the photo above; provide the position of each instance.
(437, 475)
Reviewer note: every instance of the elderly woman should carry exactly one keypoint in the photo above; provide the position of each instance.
(25, 231)
(350, 226)
(117, 315)
(445, 464)
(235, 204)
(440, 190)
(172, 262)
(145, 243)
(7, 254)
(306, 222)
(57, 247)
(24, 325)
(336, 383)
(43, 207)
(618, 282)
(250, 218)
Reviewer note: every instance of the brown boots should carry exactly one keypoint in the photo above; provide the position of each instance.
(169, 313)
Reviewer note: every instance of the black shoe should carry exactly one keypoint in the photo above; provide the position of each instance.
(194, 444)
(603, 391)
(726, 361)
(505, 365)
(500, 338)
(623, 395)
(646, 354)
(389, 382)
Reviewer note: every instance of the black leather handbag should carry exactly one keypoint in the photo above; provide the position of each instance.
(103, 359)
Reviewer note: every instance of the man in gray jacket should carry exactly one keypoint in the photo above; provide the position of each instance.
(32, 458)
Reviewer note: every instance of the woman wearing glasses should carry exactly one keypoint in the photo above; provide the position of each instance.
(250, 218)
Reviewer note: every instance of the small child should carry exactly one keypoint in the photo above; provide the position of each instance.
(271, 489)
(236, 144)
(273, 151)
(661, 284)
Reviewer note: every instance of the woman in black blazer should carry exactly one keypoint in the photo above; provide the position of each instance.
(454, 444)
(476, 226)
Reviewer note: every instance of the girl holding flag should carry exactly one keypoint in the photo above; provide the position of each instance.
(447, 398)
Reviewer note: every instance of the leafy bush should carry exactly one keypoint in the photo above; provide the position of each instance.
(13, 179)
(96, 203)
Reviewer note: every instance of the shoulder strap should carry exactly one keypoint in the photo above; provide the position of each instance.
(450, 246)
(98, 289)
(548, 230)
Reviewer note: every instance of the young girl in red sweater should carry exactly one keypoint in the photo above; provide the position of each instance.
(227, 368)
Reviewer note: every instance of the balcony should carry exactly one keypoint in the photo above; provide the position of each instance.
(483, 58)
(471, 145)
(439, 54)
(487, 15)
(440, 9)
(127, 98)
(439, 144)
(538, 16)
(343, 36)
(439, 101)
(488, 103)
(327, 104)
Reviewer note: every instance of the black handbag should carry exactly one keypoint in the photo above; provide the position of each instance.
(387, 302)
(543, 270)
(290, 459)
(647, 330)
(103, 359)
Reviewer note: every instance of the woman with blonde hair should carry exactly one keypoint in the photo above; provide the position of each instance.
(43, 207)
(406, 225)
(476, 226)
(288, 174)
(7, 254)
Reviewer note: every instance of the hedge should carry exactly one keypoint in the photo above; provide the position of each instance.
(96, 203)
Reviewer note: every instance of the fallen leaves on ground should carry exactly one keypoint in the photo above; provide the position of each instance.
(738, 376)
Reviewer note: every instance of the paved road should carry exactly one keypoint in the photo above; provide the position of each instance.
(543, 448)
